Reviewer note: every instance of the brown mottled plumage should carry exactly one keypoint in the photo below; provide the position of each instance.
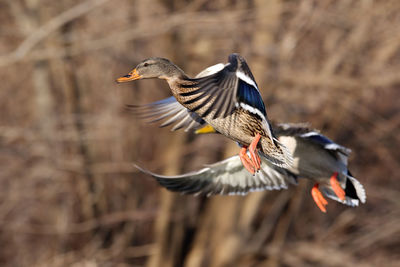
(228, 99)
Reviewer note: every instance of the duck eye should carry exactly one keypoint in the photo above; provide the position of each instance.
(146, 64)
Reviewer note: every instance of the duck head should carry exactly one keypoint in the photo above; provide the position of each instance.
(155, 67)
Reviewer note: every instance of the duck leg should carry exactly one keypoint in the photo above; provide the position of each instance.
(336, 187)
(246, 160)
(319, 198)
(253, 164)
(255, 158)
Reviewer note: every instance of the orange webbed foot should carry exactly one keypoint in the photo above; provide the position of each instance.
(247, 163)
(319, 198)
(255, 158)
(336, 187)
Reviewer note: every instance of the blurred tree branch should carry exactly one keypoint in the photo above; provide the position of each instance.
(146, 29)
(40, 33)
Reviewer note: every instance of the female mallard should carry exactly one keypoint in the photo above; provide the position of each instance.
(228, 99)
(315, 157)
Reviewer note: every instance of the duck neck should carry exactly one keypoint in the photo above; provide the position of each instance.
(173, 72)
(175, 77)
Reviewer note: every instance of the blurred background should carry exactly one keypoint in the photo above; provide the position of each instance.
(69, 194)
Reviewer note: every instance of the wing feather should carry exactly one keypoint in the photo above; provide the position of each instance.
(226, 177)
(231, 85)
(302, 130)
(171, 109)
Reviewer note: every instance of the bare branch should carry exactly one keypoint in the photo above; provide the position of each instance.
(52, 25)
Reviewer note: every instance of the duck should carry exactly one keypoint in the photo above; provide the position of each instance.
(315, 157)
(226, 97)
(325, 162)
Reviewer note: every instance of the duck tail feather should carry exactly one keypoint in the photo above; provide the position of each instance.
(276, 153)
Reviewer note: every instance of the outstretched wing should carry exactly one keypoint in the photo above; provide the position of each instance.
(302, 130)
(172, 112)
(227, 177)
(325, 142)
(233, 82)
(224, 90)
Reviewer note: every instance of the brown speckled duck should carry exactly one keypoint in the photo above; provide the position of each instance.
(227, 98)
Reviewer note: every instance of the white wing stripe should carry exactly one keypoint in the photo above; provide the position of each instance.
(246, 79)
(252, 110)
(309, 134)
(211, 70)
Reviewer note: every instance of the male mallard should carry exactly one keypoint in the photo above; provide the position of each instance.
(315, 157)
(228, 99)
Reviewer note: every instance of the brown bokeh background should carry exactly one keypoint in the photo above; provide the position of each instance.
(69, 194)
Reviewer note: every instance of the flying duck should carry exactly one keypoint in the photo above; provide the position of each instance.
(227, 98)
(316, 157)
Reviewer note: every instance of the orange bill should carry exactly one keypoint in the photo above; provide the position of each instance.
(133, 75)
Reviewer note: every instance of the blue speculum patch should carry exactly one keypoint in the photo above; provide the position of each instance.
(320, 139)
(249, 95)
